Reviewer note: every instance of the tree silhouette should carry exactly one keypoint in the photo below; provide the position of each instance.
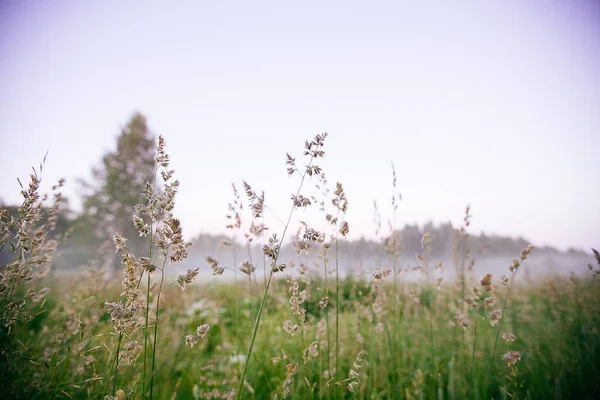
(119, 181)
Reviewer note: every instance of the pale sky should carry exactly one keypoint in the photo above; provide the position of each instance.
(493, 103)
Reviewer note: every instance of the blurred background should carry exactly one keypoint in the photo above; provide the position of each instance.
(493, 104)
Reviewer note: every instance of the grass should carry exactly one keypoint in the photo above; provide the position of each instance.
(313, 333)
(557, 335)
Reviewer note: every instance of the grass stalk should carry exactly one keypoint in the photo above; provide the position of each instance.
(327, 313)
(154, 344)
(473, 356)
(146, 323)
(515, 269)
(337, 320)
(266, 293)
(117, 364)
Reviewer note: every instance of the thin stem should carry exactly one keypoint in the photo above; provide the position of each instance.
(235, 285)
(275, 215)
(337, 320)
(153, 233)
(327, 313)
(255, 330)
(249, 250)
(162, 277)
(266, 293)
(251, 297)
(117, 364)
(146, 337)
(431, 336)
(491, 369)
(168, 355)
(168, 286)
(355, 276)
(473, 358)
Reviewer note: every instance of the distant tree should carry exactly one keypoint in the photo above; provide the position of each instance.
(119, 181)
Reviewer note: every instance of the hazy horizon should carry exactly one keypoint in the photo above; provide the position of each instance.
(493, 105)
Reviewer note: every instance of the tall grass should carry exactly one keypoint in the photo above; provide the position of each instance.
(314, 332)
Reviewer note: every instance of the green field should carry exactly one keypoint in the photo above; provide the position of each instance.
(68, 348)
(300, 331)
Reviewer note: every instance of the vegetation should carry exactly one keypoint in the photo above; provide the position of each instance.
(303, 330)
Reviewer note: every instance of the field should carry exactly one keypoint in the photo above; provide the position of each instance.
(300, 330)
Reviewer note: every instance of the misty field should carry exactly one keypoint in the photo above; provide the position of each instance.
(285, 325)
(421, 351)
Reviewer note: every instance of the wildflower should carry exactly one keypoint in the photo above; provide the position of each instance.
(495, 317)
(257, 229)
(596, 255)
(489, 301)
(340, 201)
(271, 249)
(313, 147)
(191, 340)
(130, 352)
(214, 264)
(511, 358)
(147, 264)
(247, 268)
(291, 162)
(302, 246)
(312, 351)
(312, 235)
(378, 275)
(173, 233)
(290, 328)
(130, 281)
(167, 175)
(471, 301)
(257, 202)
(463, 319)
(514, 266)
(119, 242)
(486, 282)
(162, 157)
(143, 228)
(122, 317)
(526, 252)
(278, 268)
(300, 201)
(120, 395)
(323, 302)
(344, 229)
(187, 278)
(354, 373)
(202, 330)
(296, 298)
(509, 337)
(292, 370)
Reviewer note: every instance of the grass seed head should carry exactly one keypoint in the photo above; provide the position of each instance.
(511, 358)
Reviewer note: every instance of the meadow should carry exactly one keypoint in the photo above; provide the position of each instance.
(297, 330)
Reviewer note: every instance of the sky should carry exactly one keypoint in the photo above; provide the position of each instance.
(495, 103)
